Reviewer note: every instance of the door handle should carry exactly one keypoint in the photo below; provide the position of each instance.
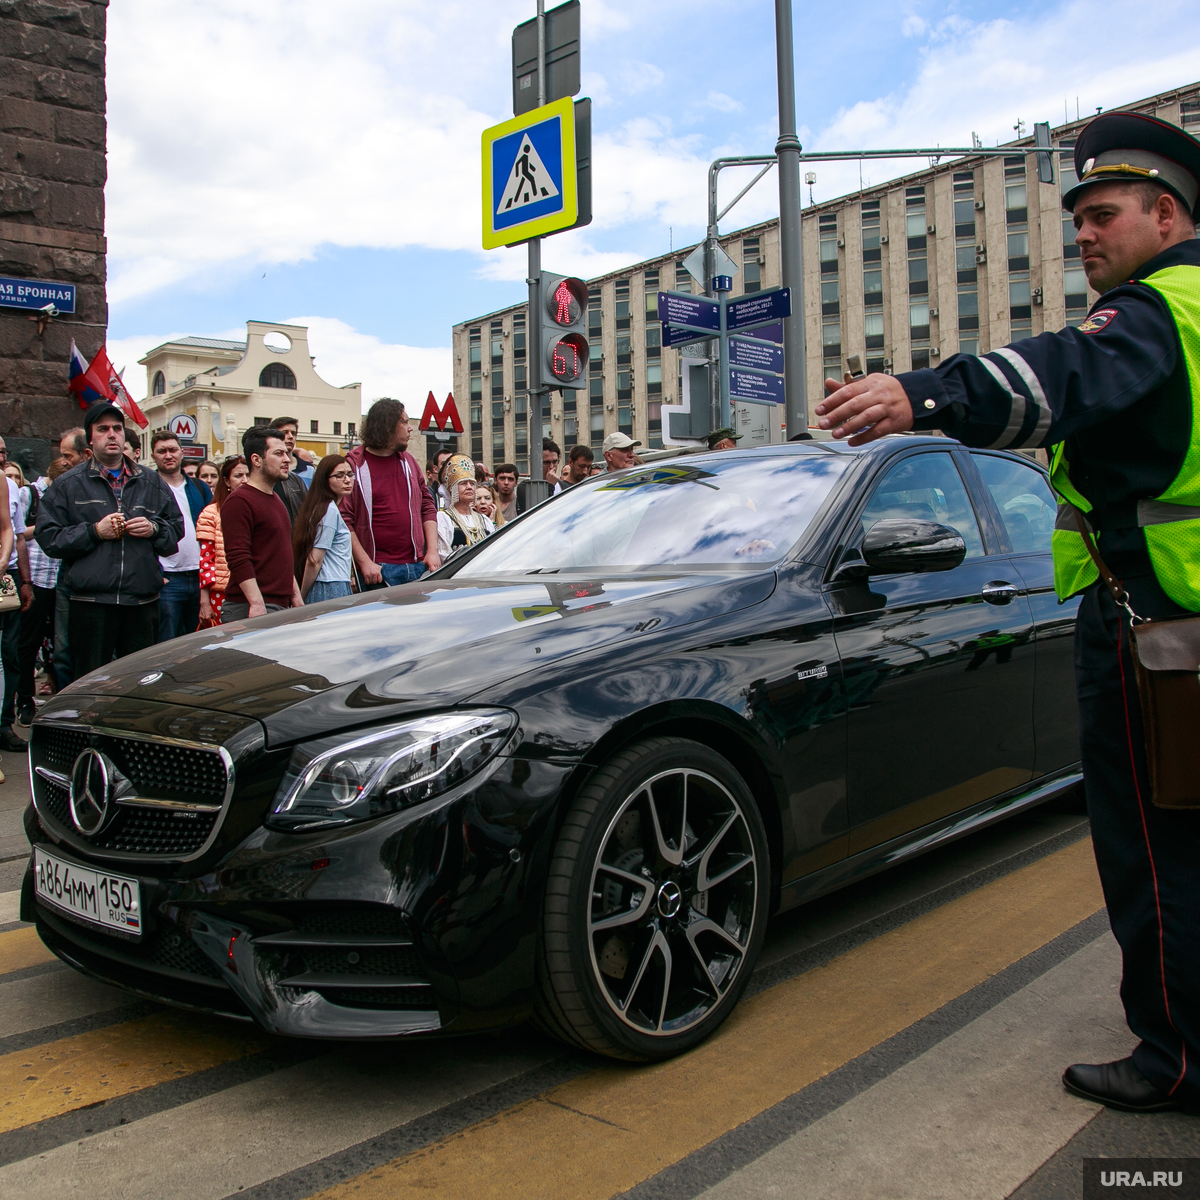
(999, 591)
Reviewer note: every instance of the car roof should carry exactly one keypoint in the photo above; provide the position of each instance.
(820, 445)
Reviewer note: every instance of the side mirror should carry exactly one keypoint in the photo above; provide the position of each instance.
(897, 546)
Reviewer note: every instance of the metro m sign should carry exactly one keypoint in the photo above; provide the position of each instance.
(442, 418)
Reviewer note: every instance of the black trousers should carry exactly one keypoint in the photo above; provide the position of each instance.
(10, 655)
(37, 624)
(1149, 858)
(101, 632)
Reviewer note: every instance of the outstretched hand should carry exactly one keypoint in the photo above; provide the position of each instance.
(865, 409)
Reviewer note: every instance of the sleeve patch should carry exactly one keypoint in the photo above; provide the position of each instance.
(1098, 320)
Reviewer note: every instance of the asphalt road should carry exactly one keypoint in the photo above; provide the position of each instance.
(902, 1038)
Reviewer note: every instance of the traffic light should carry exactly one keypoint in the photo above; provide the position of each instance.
(563, 331)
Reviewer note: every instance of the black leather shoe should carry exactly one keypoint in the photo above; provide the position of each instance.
(9, 741)
(1118, 1085)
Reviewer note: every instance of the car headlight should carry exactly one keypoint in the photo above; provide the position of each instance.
(338, 780)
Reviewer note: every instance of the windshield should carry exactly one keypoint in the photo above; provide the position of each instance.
(730, 512)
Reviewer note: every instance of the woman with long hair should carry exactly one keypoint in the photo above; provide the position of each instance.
(322, 544)
(485, 502)
(459, 524)
(208, 472)
(214, 572)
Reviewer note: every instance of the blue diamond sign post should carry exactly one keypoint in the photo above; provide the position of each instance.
(529, 175)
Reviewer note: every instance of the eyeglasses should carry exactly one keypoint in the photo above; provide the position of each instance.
(341, 475)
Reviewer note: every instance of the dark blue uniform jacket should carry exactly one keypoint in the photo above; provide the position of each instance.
(1116, 390)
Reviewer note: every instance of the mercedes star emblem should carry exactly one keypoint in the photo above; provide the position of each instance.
(91, 788)
(153, 677)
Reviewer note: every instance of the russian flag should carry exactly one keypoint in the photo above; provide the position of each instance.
(87, 385)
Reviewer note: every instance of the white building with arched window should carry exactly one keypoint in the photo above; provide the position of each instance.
(229, 386)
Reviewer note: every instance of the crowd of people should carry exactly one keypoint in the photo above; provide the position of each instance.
(110, 555)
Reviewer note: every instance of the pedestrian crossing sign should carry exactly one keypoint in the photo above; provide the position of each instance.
(529, 175)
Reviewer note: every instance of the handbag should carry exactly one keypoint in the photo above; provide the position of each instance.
(10, 594)
(1166, 659)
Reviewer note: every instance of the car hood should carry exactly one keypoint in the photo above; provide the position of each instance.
(426, 644)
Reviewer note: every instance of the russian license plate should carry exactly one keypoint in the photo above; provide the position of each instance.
(111, 901)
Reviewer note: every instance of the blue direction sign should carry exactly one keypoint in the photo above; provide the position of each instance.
(36, 293)
(750, 385)
(696, 312)
(748, 352)
(760, 308)
(673, 335)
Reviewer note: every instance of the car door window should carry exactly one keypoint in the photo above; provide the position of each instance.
(1026, 503)
(926, 487)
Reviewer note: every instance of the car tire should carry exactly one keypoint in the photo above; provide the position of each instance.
(656, 903)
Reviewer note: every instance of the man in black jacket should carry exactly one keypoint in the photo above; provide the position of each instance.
(109, 519)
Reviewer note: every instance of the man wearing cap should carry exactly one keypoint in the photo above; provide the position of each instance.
(618, 451)
(1117, 399)
(109, 519)
(723, 439)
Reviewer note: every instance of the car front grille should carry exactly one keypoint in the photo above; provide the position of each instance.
(158, 770)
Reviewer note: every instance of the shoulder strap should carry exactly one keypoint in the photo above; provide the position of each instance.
(1115, 587)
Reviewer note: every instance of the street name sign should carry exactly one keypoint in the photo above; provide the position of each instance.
(36, 293)
(759, 308)
(751, 385)
(695, 312)
(673, 335)
(750, 352)
(529, 175)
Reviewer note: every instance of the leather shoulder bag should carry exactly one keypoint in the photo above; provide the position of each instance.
(1166, 658)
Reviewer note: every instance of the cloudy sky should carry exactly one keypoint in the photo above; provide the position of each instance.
(318, 163)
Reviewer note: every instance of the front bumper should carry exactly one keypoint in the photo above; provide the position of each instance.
(419, 923)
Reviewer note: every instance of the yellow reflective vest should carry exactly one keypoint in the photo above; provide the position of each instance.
(1171, 521)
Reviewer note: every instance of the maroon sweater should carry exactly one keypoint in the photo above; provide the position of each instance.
(258, 545)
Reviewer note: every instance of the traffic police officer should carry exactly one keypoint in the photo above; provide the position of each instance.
(1119, 400)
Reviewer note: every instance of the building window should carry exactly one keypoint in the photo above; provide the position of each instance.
(650, 283)
(624, 385)
(159, 387)
(1070, 250)
(595, 317)
(262, 420)
(1016, 210)
(920, 360)
(621, 296)
(914, 217)
(871, 232)
(918, 276)
(1075, 288)
(1189, 113)
(350, 429)
(683, 278)
(497, 350)
(477, 417)
(653, 341)
(873, 329)
(831, 343)
(313, 427)
(520, 379)
(497, 411)
(829, 255)
(751, 271)
(474, 359)
(830, 306)
(1018, 251)
(654, 378)
(964, 204)
(476, 387)
(918, 322)
(1019, 299)
(968, 345)
(872, 288)
(968, 310)
(624, 349)
(964, 262)
(337, 429)
(518, 338)
(277, 375)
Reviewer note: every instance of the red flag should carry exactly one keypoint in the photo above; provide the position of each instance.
(90, 383)
(125, 402)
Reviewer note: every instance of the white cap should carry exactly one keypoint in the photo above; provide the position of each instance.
(618, 441)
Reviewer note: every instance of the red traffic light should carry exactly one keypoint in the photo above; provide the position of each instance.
(566, 359)
(565, 305)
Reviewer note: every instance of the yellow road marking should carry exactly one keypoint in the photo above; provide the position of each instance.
(77, 1071)
(605, 1132)
(21, 948)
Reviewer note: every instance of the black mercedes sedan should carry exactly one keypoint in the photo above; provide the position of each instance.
(572, 773)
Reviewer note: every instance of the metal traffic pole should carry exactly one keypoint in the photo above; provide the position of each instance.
(533, 349)
(791, 256)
